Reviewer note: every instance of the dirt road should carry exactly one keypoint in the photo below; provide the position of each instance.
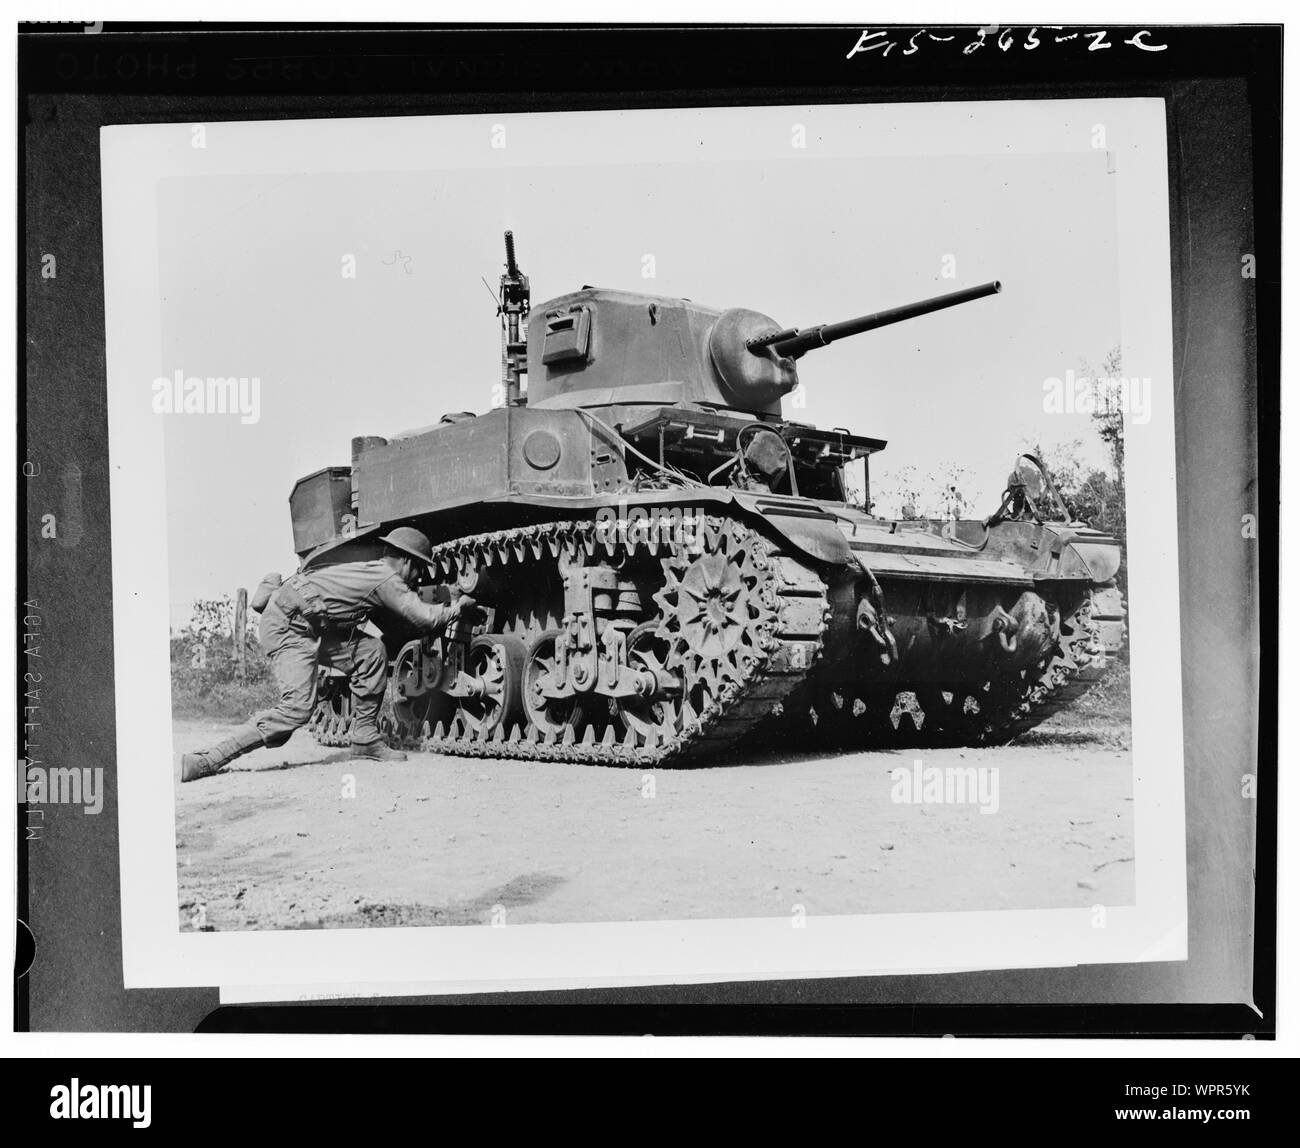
(302, 837)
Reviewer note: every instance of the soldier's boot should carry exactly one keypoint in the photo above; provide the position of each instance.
(208, 762)
(368, 679)
(377, 751)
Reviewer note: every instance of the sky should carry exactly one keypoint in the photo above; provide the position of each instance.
(251, 283)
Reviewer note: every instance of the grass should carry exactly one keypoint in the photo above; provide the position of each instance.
(1108, 703)
(1104, 715)
(231, 701)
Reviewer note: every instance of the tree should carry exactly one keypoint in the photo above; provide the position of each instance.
(905, 494)
(1096, 495)
(1108, 419)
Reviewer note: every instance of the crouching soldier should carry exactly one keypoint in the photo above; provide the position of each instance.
(314, 619)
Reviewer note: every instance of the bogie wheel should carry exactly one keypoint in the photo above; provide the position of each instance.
(415, 714)
(553, 716)
(652, 720)
(497, 661)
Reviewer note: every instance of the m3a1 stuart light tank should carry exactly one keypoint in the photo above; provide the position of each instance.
(668, 565)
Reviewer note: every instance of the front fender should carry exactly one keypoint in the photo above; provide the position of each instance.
(1082, 555)
(803, 524)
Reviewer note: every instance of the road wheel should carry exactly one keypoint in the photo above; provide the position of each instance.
(651, 720)
(553, 716)
(496, 661)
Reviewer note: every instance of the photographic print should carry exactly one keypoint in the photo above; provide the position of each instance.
(602, 530)
(732, 536)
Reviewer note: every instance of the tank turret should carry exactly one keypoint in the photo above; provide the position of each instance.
(597, 347)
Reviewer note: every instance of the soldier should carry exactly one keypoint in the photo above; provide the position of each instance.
(314, 619)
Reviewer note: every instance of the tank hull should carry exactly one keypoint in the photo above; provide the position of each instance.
(852, 630)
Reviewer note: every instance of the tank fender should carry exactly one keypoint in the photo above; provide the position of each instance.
(1078, 556)
(804, 525)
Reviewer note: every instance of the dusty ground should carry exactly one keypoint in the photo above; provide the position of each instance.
(302, 837)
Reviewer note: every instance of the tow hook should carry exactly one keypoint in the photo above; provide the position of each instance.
(869, 621)
(1005, 627)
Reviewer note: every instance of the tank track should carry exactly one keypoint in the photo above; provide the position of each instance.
(331, 719)
(780, 700)
(1079, 661)
(786, 613)
(918, 714)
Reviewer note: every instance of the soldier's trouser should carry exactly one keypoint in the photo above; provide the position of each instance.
(295, 652)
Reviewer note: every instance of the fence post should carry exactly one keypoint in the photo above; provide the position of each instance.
(241, 627)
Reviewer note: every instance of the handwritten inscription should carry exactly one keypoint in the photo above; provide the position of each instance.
(1027, 39)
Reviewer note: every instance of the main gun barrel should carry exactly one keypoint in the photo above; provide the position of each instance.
(791, 343)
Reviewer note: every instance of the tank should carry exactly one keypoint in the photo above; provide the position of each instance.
(670, 568)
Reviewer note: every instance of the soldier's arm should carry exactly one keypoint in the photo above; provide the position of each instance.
(397, 598)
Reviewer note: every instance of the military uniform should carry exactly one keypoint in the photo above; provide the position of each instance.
(314, 618)
(326, 631)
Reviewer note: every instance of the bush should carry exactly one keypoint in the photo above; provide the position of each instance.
(206, 682)
(944, 494)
